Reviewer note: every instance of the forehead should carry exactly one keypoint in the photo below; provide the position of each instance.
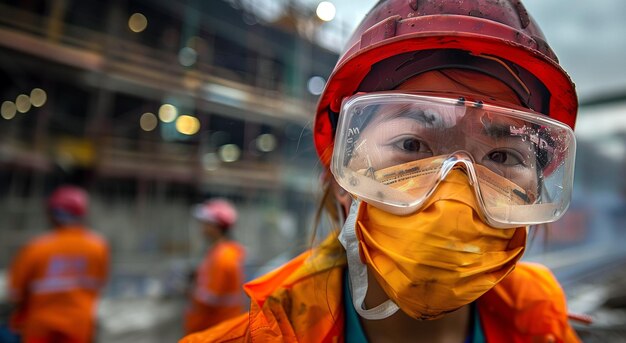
(462, 81)
(437, 119)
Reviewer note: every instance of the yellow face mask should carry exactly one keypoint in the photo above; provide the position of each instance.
(436, 260)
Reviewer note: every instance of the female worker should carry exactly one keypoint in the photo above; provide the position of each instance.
(450, 125)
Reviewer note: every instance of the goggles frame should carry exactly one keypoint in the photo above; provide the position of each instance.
(461, 159)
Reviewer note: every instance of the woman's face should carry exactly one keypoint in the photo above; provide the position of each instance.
(407, 133)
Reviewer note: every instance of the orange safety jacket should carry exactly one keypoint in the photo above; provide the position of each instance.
(55, 281)
(217, 295)
(302, 302)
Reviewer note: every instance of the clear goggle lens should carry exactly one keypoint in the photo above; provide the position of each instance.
(393, 148)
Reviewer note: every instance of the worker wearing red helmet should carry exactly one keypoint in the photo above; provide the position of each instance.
(56, 279)
(450, 125)
(216, 294)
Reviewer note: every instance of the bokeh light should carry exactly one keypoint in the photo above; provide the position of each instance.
(137, 22)
(187, 56)
(8, 110)
(187, 125)
(210, 161)
(316, 85)
(167, 113)
(266, 142)
(148, 121)
(38, 97)
(229, 152)
(326, 11)
(22, 103)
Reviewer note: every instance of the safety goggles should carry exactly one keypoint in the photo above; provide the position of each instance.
(393, 148)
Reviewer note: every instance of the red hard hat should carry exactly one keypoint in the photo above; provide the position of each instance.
(398, 39)
(69, 200)
(217, 211)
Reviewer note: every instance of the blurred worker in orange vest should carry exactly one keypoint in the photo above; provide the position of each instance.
(216, 294)
(56, 278)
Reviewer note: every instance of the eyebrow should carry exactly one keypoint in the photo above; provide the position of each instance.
(492, 130)
(417, 114)
(496, 130)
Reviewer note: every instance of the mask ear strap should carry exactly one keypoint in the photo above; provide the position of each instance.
(358, 271)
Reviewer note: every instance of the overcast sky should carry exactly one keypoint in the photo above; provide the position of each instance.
(589, 37)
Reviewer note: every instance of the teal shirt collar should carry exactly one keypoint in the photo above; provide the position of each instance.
(353, 331)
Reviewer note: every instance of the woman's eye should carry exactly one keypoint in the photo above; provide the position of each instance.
(504, 157)
(411, 144)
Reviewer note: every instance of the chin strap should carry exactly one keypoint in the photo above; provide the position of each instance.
(358, 271)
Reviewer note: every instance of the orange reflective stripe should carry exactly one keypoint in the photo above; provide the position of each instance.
(64, 284)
